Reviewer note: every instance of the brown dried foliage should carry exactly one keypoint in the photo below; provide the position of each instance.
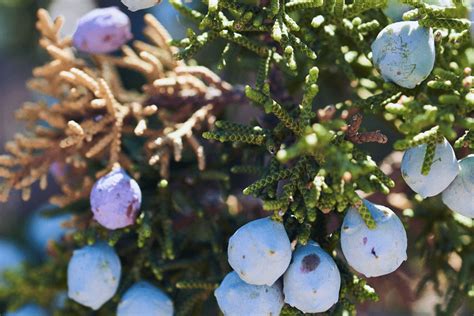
(353, 134)
(93, 111)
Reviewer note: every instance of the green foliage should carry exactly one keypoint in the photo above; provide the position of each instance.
(317, 166)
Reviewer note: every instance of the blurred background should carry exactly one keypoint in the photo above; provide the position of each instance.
(19, 54)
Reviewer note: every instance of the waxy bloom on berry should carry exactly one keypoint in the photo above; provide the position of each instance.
(116, 199)
(378, 251)
(145, 299)
(404, 53)
(312, 281)
(93, 275)
(459, 195)
(442, 172)
(236, 298)
(260, 251)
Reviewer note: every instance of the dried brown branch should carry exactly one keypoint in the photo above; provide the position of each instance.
(171, 141)
(353, 135)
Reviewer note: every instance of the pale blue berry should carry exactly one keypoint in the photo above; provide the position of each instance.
(404, 53)
(29, 310)
(93, 275)
(145, 299)
(374, 252)
(11, 257)
(42, 228)
(312, 281)
(135, 5)
(260, 251)
(444, 169)
(116, 199)
(237, 298)
(459, 195)
(395, 10)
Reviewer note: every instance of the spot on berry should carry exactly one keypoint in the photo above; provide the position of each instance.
(107, 38)
(130, 210)
(374, 253)
(310, 263)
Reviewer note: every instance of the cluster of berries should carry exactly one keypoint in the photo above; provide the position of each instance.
(268, 273)
(404, 54)
(40, 231)
(452, 178)
(93, 278)
(94, 271)
(260, 252)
